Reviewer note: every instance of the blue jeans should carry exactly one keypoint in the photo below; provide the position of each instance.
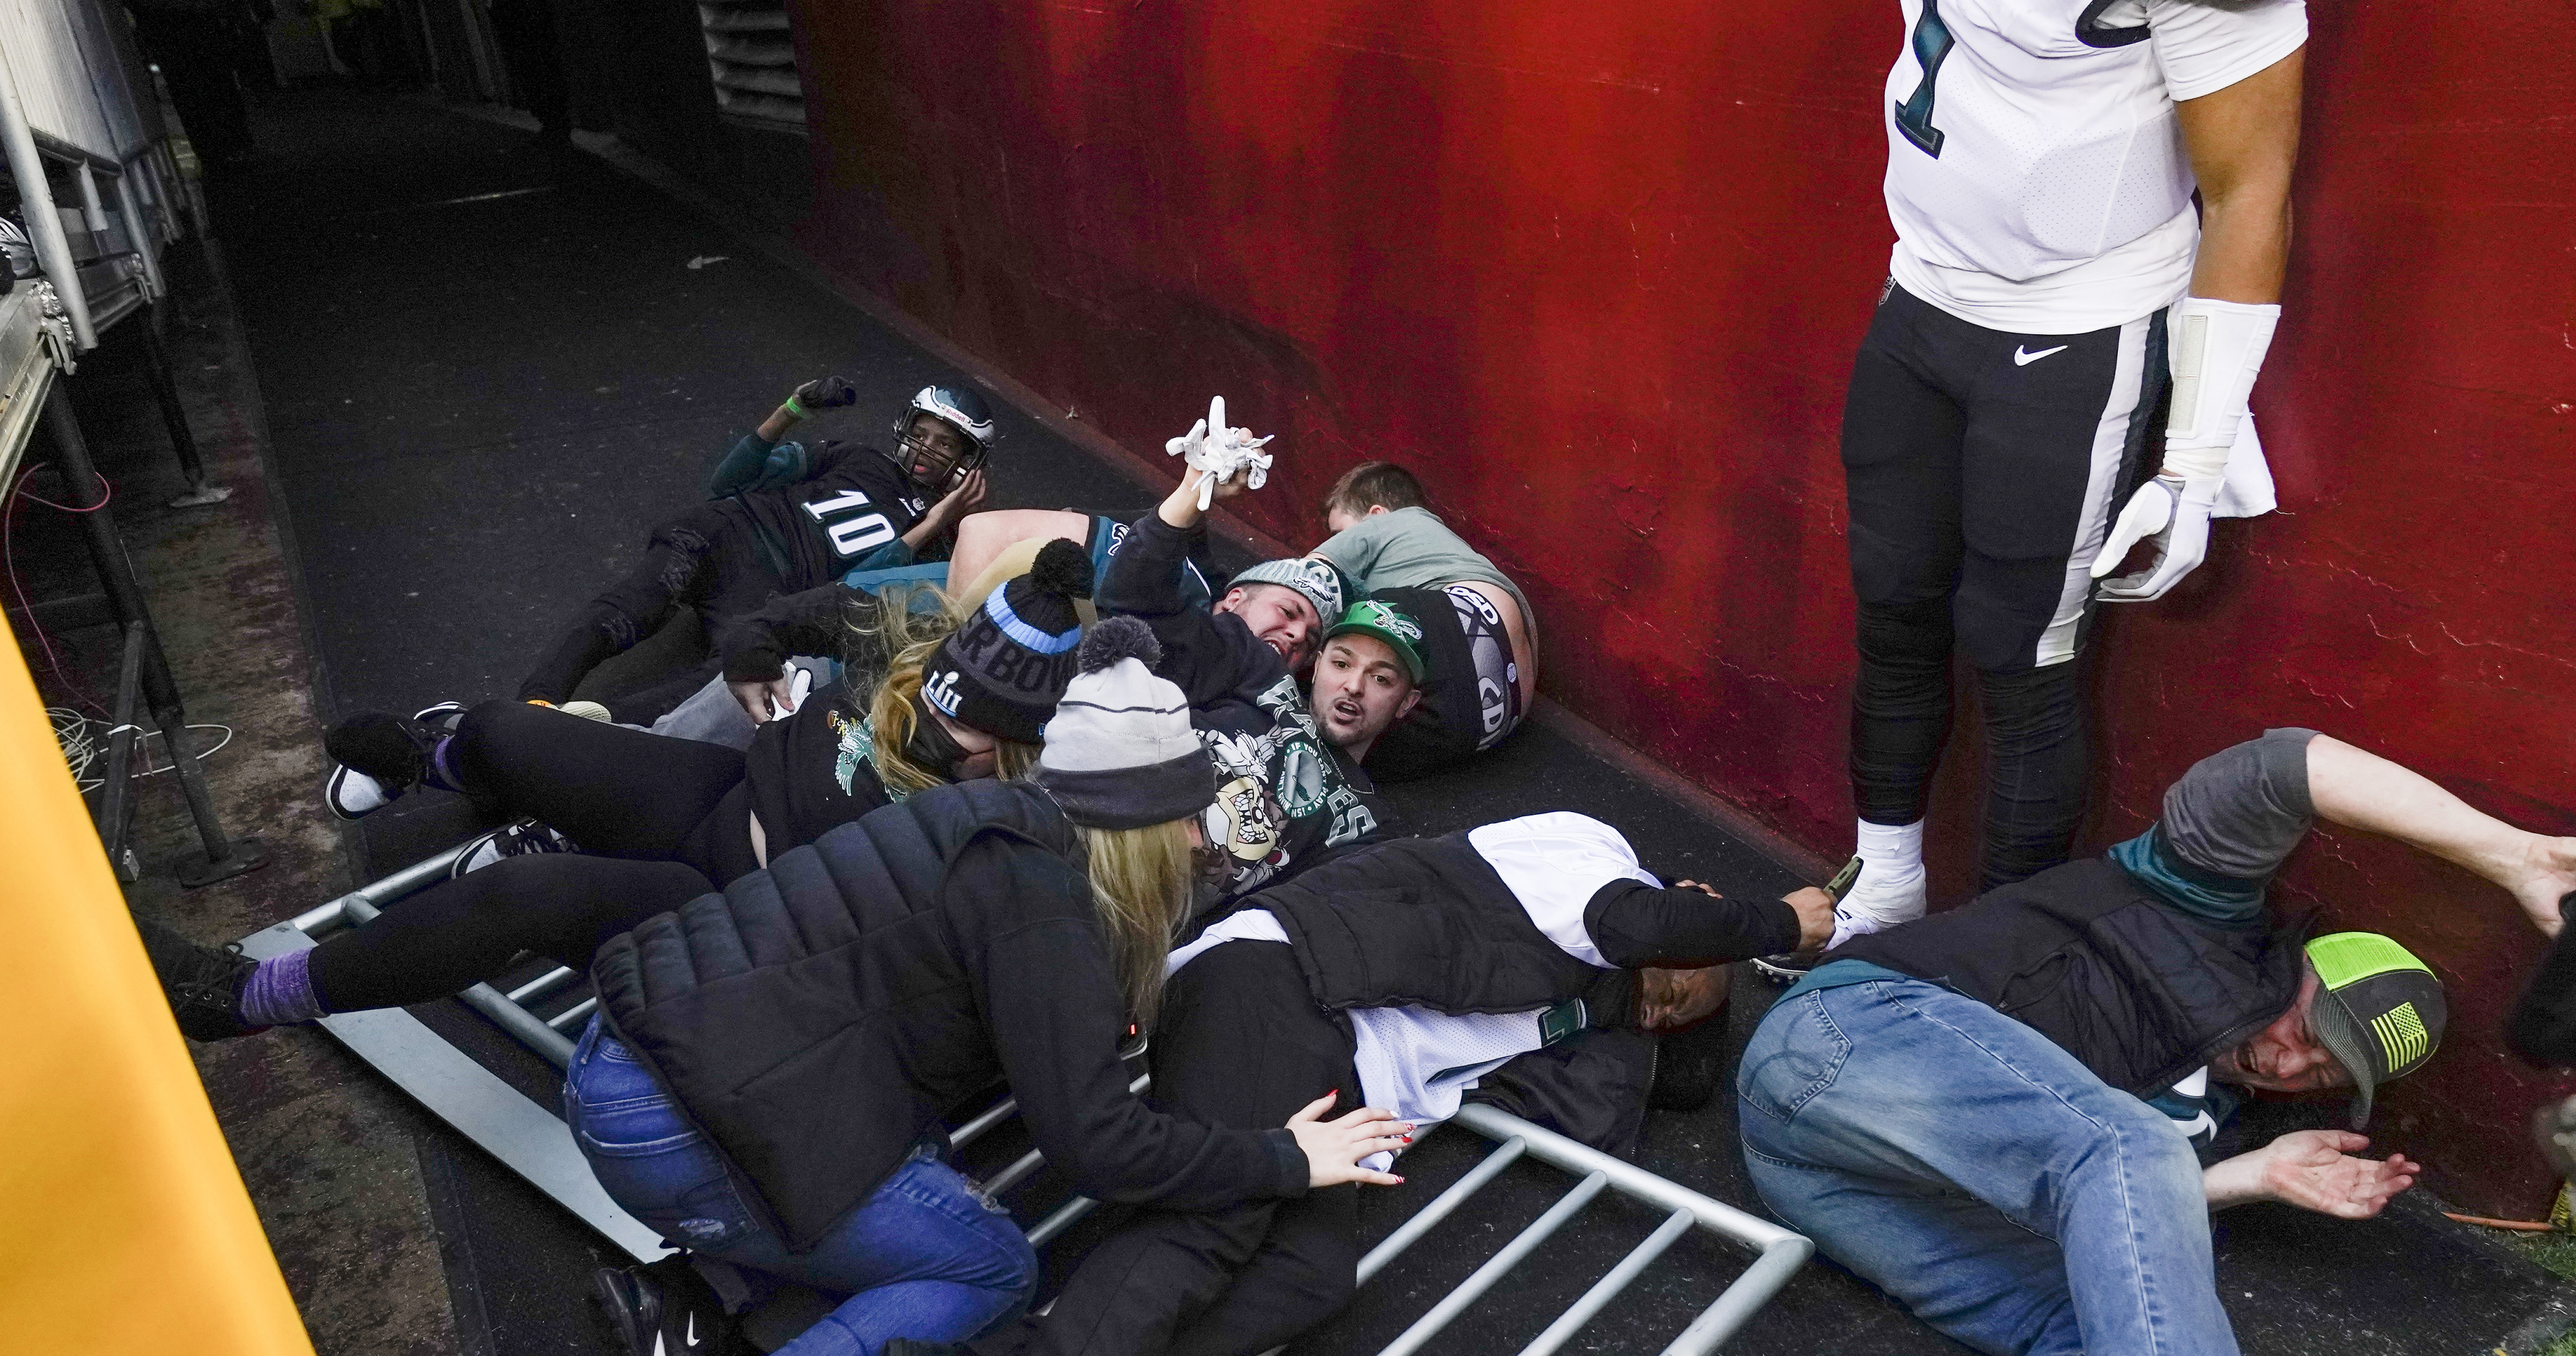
(1980, 1174)
(924, 1257)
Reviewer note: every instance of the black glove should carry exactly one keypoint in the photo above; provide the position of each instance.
(823, 393)
(2543, 1026)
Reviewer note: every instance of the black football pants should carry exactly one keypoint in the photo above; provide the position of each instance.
(1983, 471)
(1240, 1043)
(705, 559)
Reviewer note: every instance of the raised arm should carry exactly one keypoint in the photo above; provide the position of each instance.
(2362, 790)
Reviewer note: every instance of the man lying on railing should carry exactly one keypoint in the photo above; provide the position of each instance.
(1402, 974)
(1993, 1112)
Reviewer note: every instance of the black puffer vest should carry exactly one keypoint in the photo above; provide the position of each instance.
(2139, 991)
(1427, 922)
(815, 1018)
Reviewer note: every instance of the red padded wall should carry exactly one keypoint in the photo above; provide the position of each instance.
(1598, 271)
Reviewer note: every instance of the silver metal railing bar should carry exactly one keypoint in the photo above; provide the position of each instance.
(1606, 1289)
(1429, 1216)
(423, 872)
(573, 1014)
(974, 1130)
(542, 985)
(1500, 1264)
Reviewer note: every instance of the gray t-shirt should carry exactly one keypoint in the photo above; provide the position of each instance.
(2228, 824)
(1410, 548)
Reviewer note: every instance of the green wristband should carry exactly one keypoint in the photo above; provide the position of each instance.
(796, 411)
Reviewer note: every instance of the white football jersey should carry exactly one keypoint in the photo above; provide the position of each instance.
(2036, 173)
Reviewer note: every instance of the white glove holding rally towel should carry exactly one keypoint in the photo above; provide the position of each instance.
(1221, 452)
(2175, 512)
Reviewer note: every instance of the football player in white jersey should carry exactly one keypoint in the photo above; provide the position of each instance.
(2058, 309)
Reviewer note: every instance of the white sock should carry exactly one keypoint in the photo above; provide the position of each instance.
(1890, 888)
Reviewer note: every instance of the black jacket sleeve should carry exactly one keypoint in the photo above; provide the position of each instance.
(1634, 924)
(1050, 993)
(756, 647)
(1207, 655)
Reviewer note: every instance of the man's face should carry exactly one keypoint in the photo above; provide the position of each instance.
(2285, 1056)
(932, 451)
(1360, 688)
(1676, 1000)
(1281, 616)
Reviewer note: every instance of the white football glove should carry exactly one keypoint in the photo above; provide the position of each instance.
(2174, 512)
(1221, 452)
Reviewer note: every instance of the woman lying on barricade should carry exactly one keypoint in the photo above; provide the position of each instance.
(765, 1081)
(1403, 972)
(922, 700)
(679, 817)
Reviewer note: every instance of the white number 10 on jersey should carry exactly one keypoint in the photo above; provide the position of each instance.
(853, 535)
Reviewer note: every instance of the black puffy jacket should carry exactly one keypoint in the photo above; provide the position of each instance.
(2138, 990)
(817, 1018)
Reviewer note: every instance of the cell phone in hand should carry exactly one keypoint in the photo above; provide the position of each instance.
(1843, 880)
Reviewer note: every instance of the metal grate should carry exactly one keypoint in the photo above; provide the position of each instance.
(534, 1143)
(752, 60)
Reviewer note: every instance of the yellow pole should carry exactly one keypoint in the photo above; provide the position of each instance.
(128, 1228)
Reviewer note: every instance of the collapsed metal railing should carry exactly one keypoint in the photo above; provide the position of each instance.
(533, 1142)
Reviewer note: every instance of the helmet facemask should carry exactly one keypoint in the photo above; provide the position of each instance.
(953, 444)
(936, 456)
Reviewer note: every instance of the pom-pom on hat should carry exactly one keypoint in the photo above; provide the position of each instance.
(1120, 753)
(1004, 667)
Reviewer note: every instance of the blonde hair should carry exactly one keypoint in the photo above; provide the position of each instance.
(903, 641)
(1140, 885)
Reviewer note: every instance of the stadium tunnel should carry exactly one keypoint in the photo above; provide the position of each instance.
(474, 291)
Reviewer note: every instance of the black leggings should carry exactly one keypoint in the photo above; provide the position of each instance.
(1982, 470)
(1240, 1043)
(562, 905)
(616, 792)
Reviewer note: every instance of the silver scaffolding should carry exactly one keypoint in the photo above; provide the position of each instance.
(535, 1143)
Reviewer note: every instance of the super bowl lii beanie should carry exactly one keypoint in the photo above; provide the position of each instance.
(1120, 753)
(1008, 662)
(1309, 575)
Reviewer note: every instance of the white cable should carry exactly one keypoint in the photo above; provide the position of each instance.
(82, 749)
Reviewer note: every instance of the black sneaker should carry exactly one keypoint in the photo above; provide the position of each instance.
(203, 983)
(510, 840)
(667, 1309)
(379, 756)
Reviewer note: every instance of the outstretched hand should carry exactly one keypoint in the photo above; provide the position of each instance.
(2548, 876)
(2314, 1170)
(1334, 1148)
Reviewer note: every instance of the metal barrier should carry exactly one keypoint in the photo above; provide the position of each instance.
(533, 1142)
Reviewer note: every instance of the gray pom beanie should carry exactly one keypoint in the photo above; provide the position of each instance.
(1120, 753)
(1309, 575)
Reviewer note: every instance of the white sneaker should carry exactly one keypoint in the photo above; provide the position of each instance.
(352, 794)
(585, 710)
(509, 840)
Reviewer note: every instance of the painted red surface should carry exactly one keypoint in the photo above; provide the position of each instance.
(1599, 270)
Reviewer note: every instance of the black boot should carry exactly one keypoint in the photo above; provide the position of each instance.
(203, 983)
(666, 1308)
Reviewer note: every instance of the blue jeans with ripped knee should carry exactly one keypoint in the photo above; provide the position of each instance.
(924, 1257)
(1979, 1173)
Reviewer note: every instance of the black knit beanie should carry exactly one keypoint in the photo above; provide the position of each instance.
(1008, 663)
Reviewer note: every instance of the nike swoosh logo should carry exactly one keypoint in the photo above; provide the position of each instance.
(2023, 357)
(2197, 1124)
(693, 1314)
